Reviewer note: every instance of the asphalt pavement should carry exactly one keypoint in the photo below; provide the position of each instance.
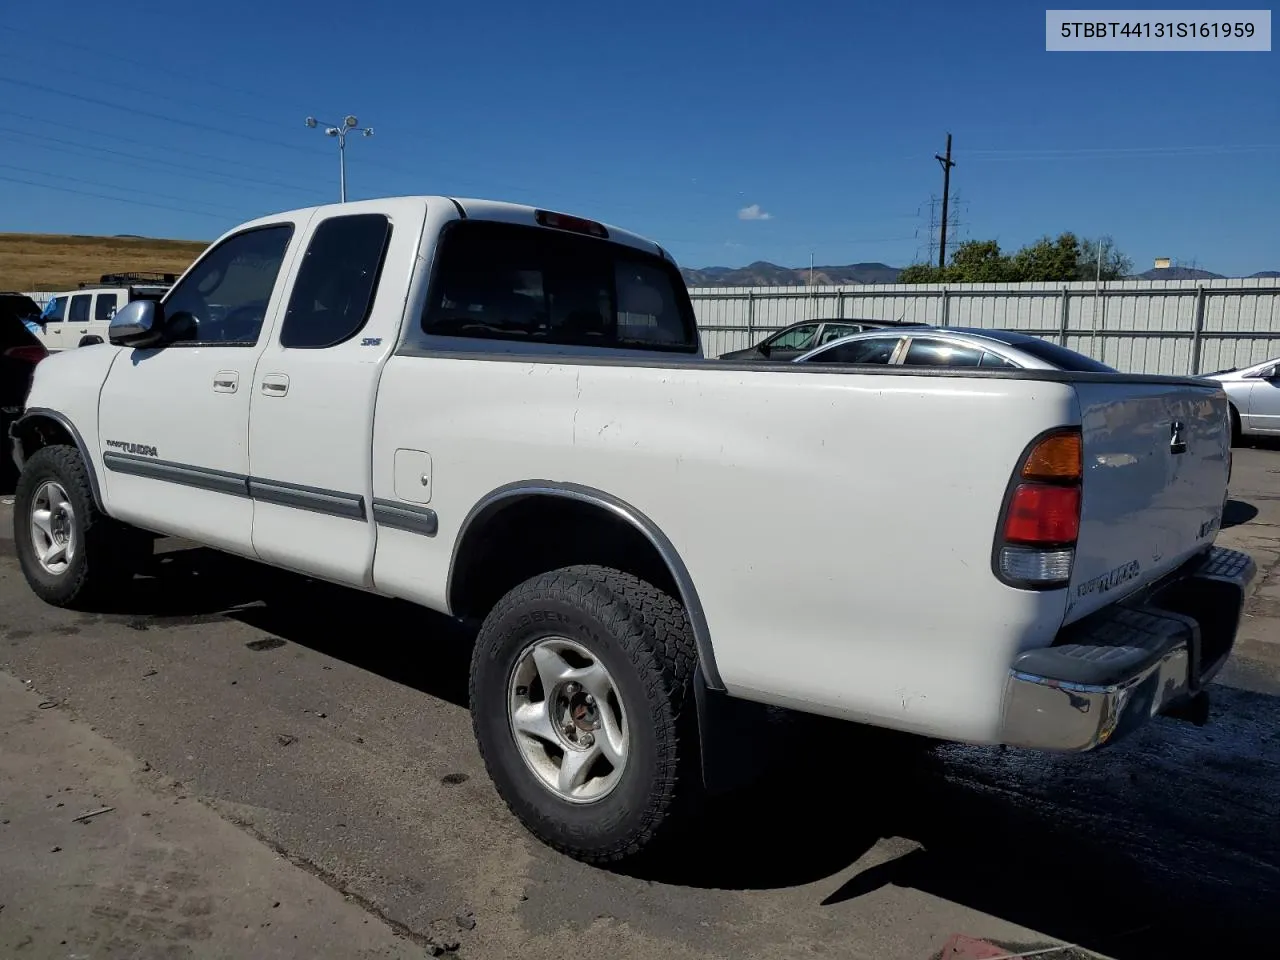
(286, 759)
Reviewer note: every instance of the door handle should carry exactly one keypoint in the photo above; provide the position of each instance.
(226, 381)
(275, 384)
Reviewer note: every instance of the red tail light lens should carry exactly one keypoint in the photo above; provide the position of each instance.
(1036, 537)
(562, 221)
(1042, 515)
(32, 354)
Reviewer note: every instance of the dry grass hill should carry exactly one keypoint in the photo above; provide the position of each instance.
(42, 261)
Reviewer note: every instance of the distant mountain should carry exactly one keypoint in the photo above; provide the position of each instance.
(765, 274)
(1264, 274)
(1178, 273)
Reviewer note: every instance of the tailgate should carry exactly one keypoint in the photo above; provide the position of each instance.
(1156, 462)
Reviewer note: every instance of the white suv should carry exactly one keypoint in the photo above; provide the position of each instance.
(81, 317)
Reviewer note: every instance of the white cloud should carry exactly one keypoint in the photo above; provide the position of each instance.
(753, 212)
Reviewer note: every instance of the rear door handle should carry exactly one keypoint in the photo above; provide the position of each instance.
(275, 384)
(226, 381)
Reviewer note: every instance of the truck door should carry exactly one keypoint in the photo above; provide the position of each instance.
(311, 411)
(173, 419)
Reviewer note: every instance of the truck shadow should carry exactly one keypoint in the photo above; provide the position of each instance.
(1163, 845)
(1237, 512)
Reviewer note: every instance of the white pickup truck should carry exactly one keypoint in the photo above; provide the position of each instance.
(504, 414)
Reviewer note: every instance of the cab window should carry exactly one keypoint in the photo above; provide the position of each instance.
(224, 297)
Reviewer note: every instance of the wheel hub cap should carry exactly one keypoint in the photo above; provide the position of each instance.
(567, 719)
(53, 528)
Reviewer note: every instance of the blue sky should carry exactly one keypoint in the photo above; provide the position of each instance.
(669, 119)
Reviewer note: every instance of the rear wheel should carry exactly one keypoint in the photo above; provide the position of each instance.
(582, 707)
(69, 551)
(1235, 426)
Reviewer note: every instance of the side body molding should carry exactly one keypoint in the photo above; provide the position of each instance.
(24, 423)
(625, 512)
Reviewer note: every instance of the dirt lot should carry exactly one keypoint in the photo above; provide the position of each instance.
(265, 740)
(39, 261)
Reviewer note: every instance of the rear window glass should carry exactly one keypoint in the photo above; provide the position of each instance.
(1062, 358)
(504, 281)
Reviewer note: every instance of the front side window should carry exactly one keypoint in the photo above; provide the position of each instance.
(56, 310)
(504, 281)
(940, 353)
(223, 299)
(333, 295)
(104, 308)
(79, 312)
(877, 350)
(793, 339)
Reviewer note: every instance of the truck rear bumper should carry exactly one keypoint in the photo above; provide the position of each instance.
(1113, 671)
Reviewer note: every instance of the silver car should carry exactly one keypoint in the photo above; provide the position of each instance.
(952, 347)
(1254, 393)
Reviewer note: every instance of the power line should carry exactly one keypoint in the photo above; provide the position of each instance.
(102, 196)
(196, 124)
(95, 151)
(151, 67)
(110, 186)
(98, 79)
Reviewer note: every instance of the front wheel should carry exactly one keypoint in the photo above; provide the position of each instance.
(69, 551)
(581, 703)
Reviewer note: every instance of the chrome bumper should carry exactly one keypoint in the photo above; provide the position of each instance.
(1113, 671)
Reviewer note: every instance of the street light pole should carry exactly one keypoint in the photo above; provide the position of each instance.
(349, 125)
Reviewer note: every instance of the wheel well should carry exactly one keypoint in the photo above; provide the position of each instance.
(33, 433)
(519, 538)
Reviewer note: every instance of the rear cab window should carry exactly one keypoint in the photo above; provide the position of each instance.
(80, 308)
(534, 284)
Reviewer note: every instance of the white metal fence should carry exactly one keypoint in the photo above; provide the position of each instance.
(1138, 326)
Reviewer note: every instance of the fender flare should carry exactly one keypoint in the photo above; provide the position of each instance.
(33, 414)
(624, 511)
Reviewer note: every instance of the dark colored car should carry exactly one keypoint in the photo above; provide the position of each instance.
(20, 351)
(789, 342)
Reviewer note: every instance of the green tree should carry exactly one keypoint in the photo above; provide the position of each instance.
(979, 261)
(1115, 265)
(1049, 259)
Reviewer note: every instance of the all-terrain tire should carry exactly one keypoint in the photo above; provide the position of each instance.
(643, 638)
(107, 553)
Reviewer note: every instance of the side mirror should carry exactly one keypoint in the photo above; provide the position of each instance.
(765, 349)
(139, 323)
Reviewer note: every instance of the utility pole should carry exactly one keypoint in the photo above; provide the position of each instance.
(947, 164)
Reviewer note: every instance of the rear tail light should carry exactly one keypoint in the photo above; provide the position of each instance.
(32, 354)
(1040, 520)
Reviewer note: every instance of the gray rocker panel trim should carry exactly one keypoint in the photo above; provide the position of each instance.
(629, 514)
(336, 503)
